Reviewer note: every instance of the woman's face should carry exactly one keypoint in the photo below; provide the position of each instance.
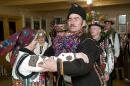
(41, 39)
(75, 23)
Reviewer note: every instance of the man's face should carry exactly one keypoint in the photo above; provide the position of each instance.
(95, 30)
(107, 25)
(75, 23)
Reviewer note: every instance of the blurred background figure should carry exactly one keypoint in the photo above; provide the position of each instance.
(114, 39)
(42, 44)
(126, 54)
(58, 27)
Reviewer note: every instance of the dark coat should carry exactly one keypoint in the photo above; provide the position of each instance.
(83, 74)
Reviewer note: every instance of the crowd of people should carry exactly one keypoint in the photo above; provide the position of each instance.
(39, 62)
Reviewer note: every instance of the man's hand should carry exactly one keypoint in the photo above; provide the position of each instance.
(50, 65)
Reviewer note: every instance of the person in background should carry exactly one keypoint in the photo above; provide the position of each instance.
(126, 54)
(81, 45)
(114, 39)
(105, 61)
(42, 44)
(40, 48)
(113, 36)
(57, 28)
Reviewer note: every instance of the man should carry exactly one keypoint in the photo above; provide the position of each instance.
(95, 30)
(113, 38)
(82, 45)
(106, 61)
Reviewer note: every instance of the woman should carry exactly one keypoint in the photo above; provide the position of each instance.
(25, 71)
(42, 44)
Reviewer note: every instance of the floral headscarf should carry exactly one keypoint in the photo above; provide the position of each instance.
(15, 42)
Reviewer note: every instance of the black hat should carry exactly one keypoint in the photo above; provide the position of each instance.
(109, 21)
(96, 24)
(76, 9)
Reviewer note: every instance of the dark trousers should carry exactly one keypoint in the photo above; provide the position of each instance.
(110, 81)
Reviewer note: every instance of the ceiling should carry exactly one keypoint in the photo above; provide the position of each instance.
(52, 5)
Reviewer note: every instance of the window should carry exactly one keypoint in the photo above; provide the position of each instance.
(28, 22)
(43, 24)
(36, 23)
(122, 23)
(57, 20)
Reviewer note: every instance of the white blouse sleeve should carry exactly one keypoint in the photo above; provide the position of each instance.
(30, 64)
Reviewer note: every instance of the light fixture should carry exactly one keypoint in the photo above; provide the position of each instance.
(89, 2)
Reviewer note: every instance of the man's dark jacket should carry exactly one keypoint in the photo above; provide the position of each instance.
(83, 74)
